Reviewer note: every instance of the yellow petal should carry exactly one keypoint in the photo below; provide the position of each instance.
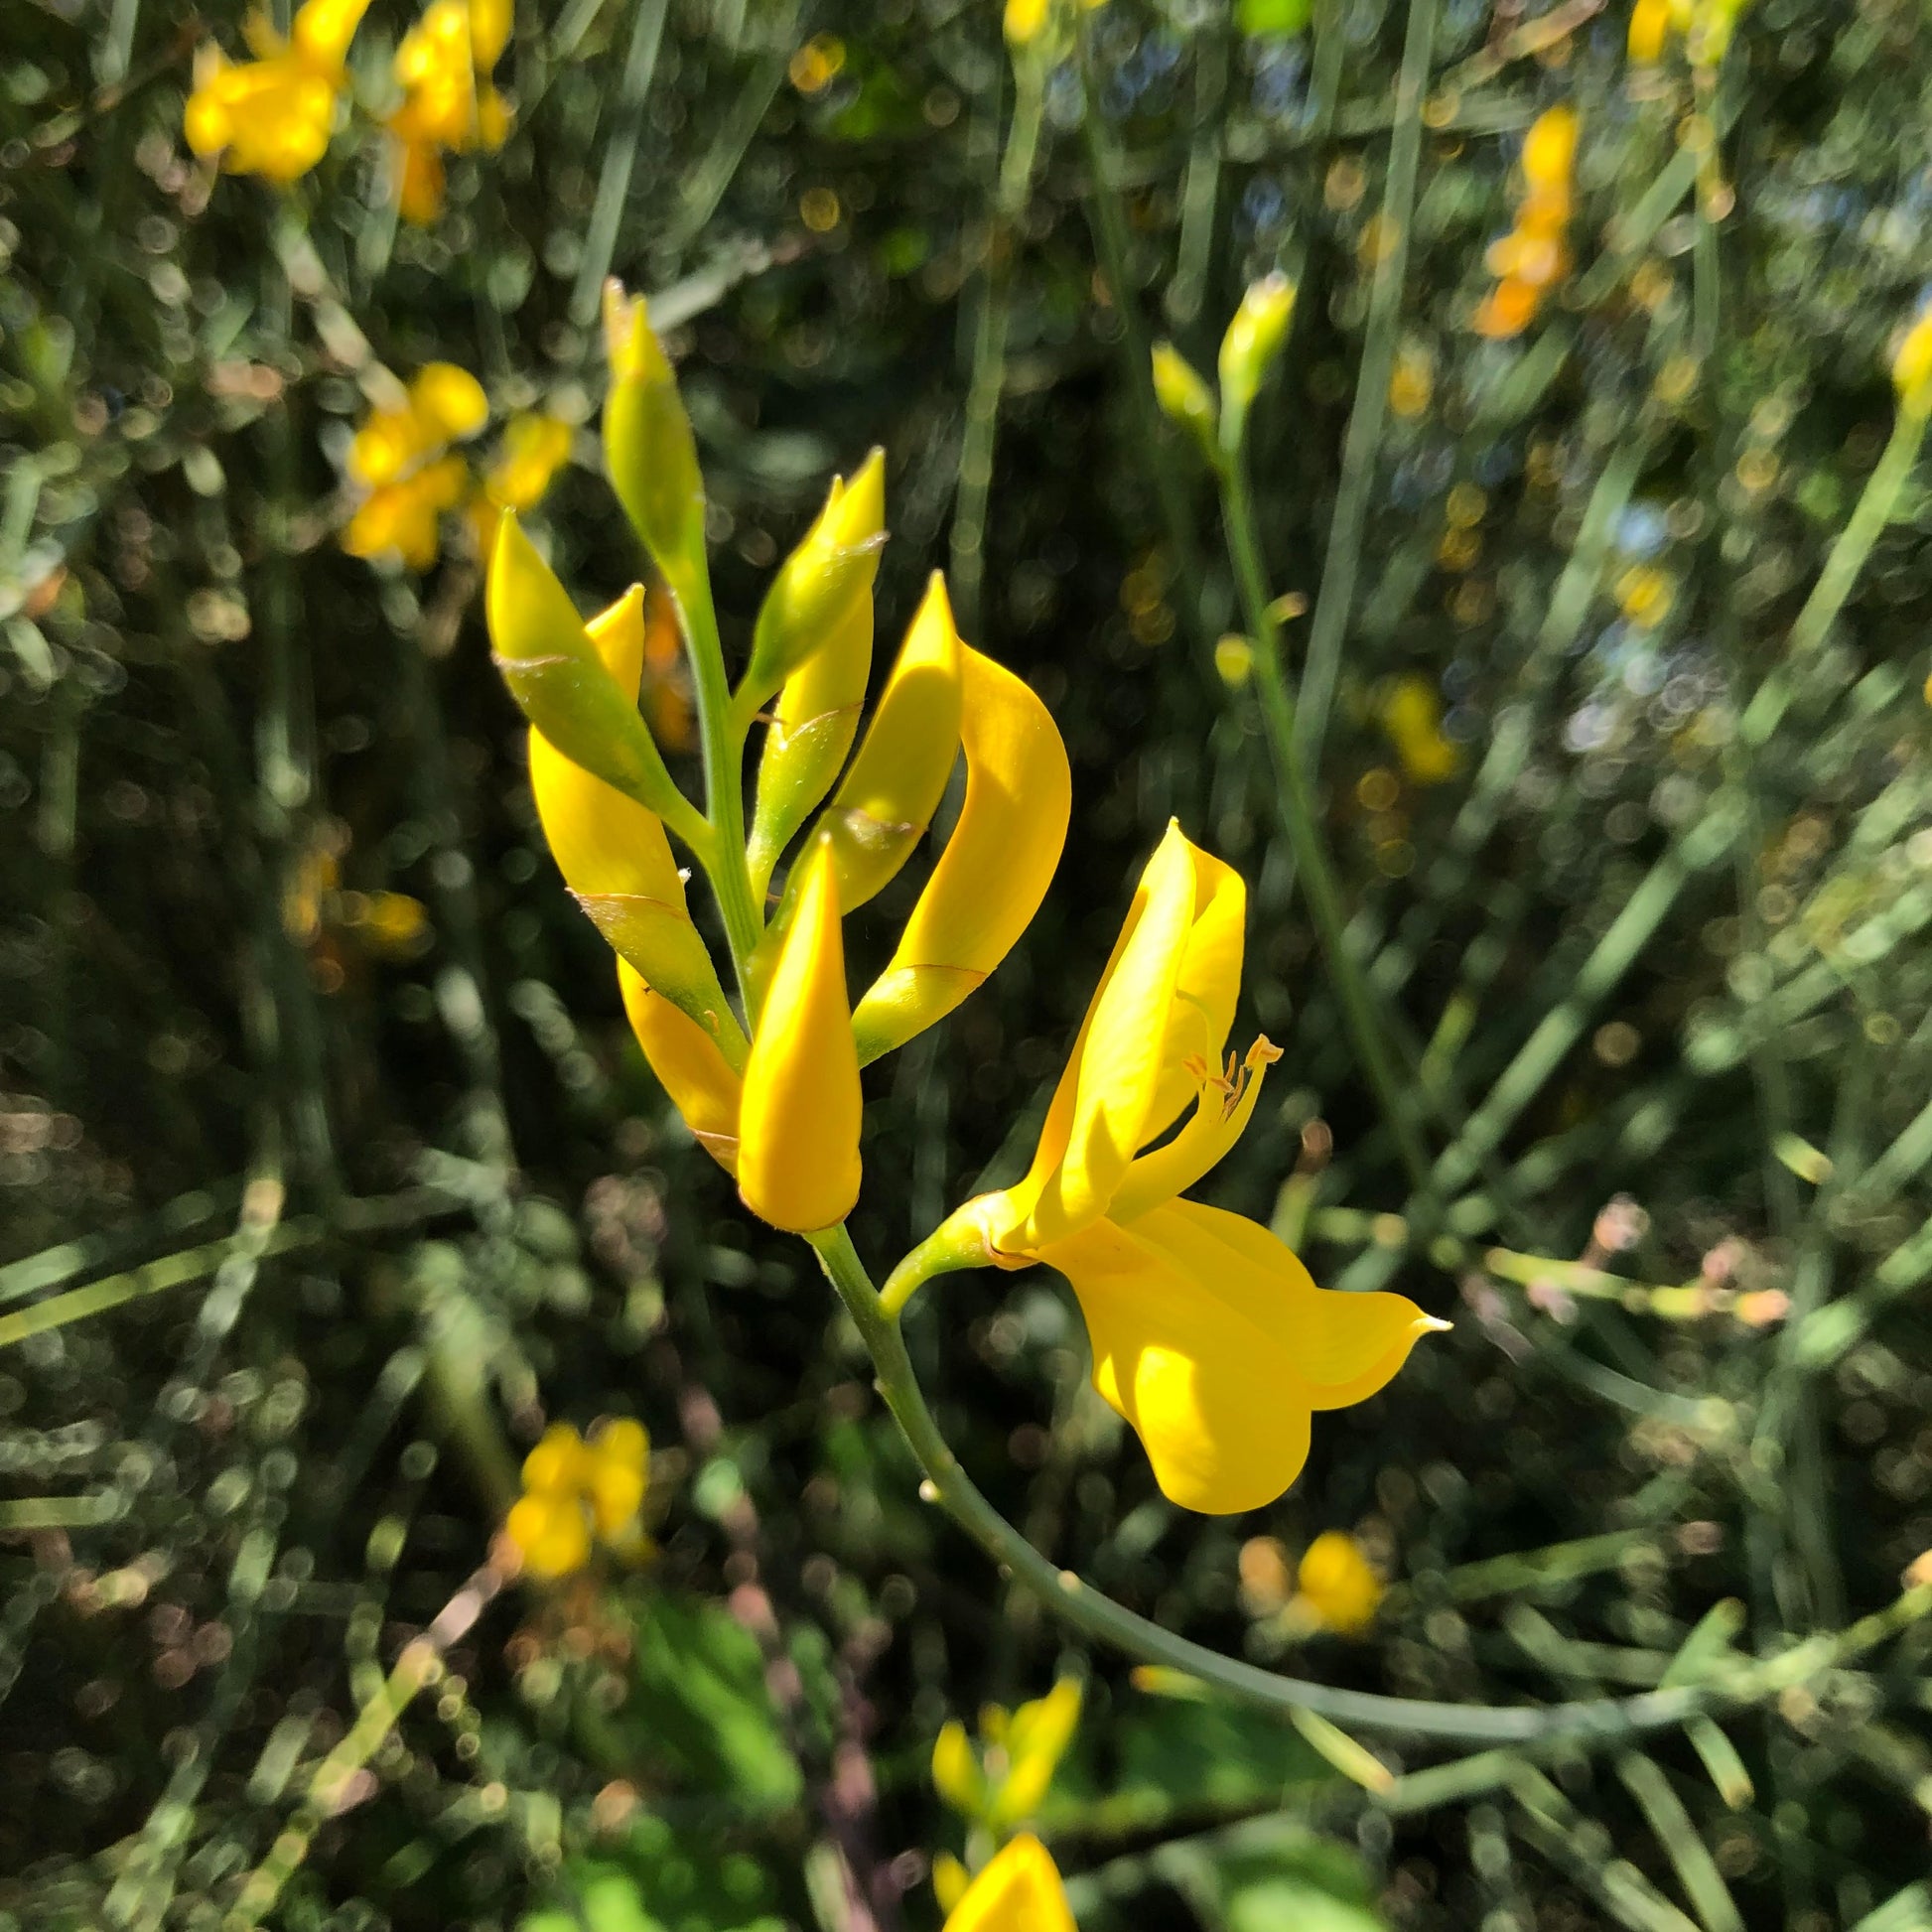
(996, 868)
(1019, 1891)
(1550, 147)
(1222, 1110)
(1649, 30)
(449, 401)
(1210, 1340)
(900, 776)
(688, 1065)
(1121, 1064)
(950, 1880)
(1036, 1741)
(535, 448)
(325, 28)
(799, 1128)
(1335, 1582)
(552, 1532)
(1205, 991)
(618, 1474)
(556, 1466)
(956, 1774)
(489, 31)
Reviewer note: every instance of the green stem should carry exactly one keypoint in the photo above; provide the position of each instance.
(990, 347)
(722, 853)
(1593, 1720)
(1294, 795)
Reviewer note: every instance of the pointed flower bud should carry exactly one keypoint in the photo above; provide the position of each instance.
(617, 860)
(648, 446)
(1183, 395)
(814, 594)
(561, 685)
(887, 799)
(990, 880)
(799, 1128)
(1248, 350)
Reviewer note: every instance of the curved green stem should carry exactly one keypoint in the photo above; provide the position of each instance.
(1296, 800)
(1594, 1720)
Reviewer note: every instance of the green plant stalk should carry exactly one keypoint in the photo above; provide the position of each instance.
(990, 345)
(1360, 1012)
(1847, 557)
(1340, 567)
(722, 854)
(1589, 1720)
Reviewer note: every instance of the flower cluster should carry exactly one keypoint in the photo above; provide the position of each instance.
(778, 1104)
(1209, 1335)
(449, 103)
(1533, 257)
(403, 462)
(273, 115)
(577, 1493)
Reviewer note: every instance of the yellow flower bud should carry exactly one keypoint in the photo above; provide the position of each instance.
(561, 685)
(950, 1880)
(1183, 395)
(956, 1774)
(649, 447)
(701, 1082)
(1248, 350)
(814, 594)
(887, 799)
(799, 1126)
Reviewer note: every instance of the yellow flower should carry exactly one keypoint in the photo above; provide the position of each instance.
(1412, 714)
(1019, 1891)
(442, 67)
(534, 448)
(1911, 366)
(1335, 1587)
(273, 115)
(1533, 257)
(399, 458)
(1006, 1780)
(1209, 1335)
(577, 1493)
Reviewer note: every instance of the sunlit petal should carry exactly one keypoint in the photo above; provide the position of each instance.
(1019, 1891)
(688, 1065)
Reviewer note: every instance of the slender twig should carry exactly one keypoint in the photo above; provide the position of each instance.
(1587, 1721)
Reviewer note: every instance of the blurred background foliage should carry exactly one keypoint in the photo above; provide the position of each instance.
(315, 1096)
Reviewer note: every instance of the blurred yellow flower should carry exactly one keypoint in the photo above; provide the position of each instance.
(535, 447)
(1911, 366)
(1209, 1335)
(577, 1494)
(443, 66)
(1005, 1781)
(1706, 28)
(273, 115)
(1335, 1587)
(1412, 714)
(399, 459)
(1533, 257)
(1019, 1891)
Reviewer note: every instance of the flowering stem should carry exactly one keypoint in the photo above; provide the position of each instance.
(1296, 798)
(1729, 1684)
(723, 853)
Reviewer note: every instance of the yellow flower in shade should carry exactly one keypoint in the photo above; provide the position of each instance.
(1209, 1335)
(1412, 714)
(443, 66)
(1019, 1891)
(1911, 366)
(1005, 1781)
(273, 115)
(577, 1494)
(1335, 1587)
(400, 458)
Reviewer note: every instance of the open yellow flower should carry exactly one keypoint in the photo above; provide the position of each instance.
(1209, 1335)
(1006, 1780)
(443, 66)
(1019, 1891)
(400, 458)
(273, 115)
(577, 1494)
